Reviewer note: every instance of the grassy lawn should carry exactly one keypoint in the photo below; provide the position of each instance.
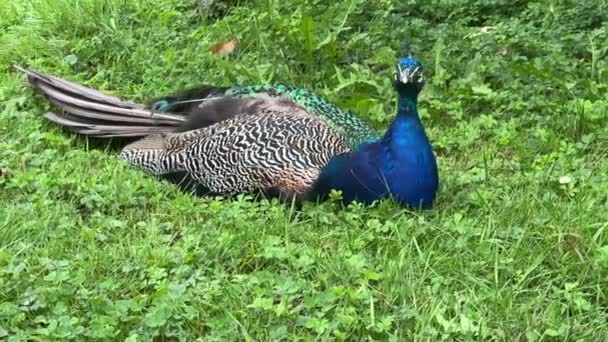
(516, 248)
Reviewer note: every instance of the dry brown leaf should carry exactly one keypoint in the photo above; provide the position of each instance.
(223, 48)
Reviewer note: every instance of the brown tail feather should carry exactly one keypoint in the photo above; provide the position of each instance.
(90, 112)
(104, 131)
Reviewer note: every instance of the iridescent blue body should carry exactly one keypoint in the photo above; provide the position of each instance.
(400, 165)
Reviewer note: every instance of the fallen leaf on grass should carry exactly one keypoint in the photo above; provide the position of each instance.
(223, 48)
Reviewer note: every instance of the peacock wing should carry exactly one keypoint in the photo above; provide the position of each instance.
(355, 130)
(277, 152)
(206, 105)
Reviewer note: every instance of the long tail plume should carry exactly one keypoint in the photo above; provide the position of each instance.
(92, 113)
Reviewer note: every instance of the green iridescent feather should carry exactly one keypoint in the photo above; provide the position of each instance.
(353, 129)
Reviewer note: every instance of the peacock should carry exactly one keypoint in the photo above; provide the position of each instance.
(278, 140)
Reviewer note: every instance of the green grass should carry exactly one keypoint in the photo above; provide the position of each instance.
(516, 99)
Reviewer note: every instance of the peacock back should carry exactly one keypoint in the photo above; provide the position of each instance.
(354, 130)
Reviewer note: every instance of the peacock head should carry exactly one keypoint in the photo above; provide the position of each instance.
(409, 76)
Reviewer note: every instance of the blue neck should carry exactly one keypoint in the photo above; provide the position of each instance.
(407, 104)
(401, 165)
(407, 128)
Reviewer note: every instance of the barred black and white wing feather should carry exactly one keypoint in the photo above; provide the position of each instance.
(273, 152)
